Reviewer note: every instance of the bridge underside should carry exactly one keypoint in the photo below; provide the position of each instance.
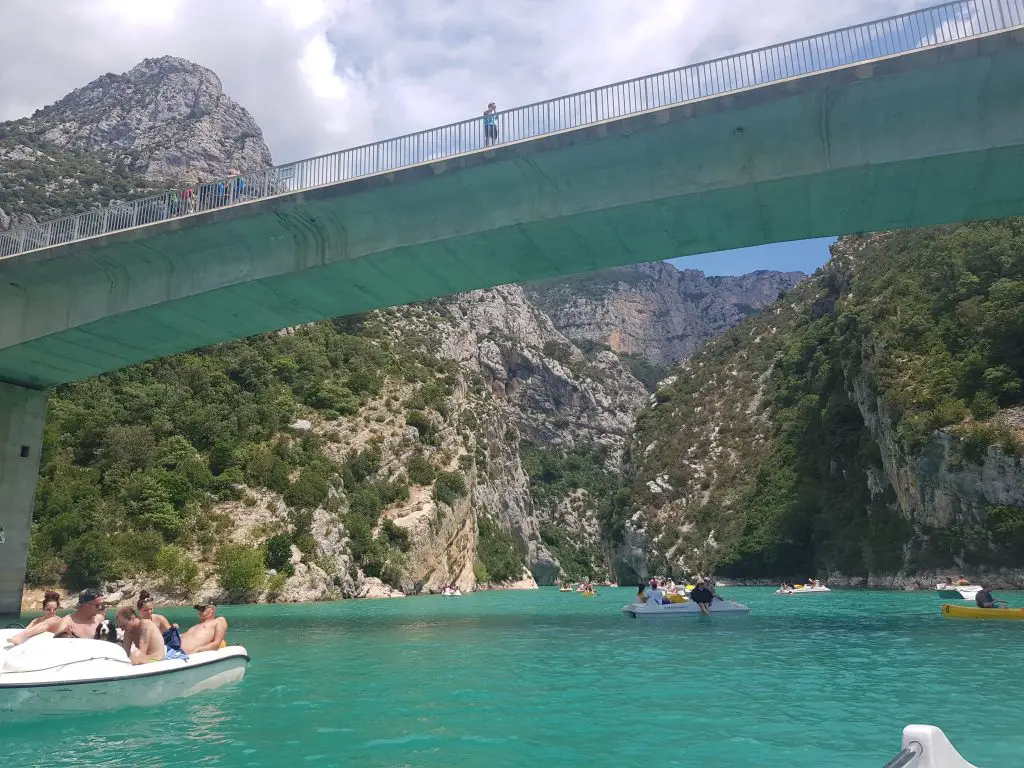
(932, 137)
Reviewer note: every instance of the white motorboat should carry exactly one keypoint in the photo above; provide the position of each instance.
(958, 591)
(925, 746)
(48, 675)
(451, 592)
(689, 608)
(803, 589)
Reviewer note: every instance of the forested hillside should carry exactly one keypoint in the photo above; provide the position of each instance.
(868, 424)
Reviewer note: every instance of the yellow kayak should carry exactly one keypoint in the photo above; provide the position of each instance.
(973, 612)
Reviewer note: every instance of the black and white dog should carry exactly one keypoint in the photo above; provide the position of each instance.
(107, 631)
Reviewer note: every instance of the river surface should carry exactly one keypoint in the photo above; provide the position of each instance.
(539, 678)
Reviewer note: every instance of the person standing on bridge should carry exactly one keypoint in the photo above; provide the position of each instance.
(490, 125)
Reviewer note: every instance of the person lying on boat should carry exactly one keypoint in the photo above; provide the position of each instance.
(209, 633)
(703, 597)
(86, 619)
(785, 586)
(48, 622)
(983, 598)
(145, 637)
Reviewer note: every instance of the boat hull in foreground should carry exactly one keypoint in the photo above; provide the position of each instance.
(682, 610)
(984, 614)
(60, 676)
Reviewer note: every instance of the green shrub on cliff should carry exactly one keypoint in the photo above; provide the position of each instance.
(241, 570)
(498, 555)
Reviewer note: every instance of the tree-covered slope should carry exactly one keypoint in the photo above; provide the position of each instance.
(866, 424)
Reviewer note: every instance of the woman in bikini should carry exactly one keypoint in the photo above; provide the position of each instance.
(48, 622)
(145, 606)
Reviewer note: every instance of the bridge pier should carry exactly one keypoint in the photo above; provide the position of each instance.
(22, 413)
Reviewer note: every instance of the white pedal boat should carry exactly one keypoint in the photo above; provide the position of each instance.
(48, 675)
(925, 746)
(958, 592)
(689, 608)
(801, 590)
(451, 592)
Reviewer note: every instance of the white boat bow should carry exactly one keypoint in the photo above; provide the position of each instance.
(48, 675)
(925, 746)
(689, 608)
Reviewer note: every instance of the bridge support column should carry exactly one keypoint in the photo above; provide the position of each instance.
(22, 412)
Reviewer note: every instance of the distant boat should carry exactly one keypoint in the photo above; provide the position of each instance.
(802, 589)
(653, 608)
(958, 591)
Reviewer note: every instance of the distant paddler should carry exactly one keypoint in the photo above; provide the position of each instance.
(703, 597)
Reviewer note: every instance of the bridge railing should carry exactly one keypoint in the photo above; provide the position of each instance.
(927, 27)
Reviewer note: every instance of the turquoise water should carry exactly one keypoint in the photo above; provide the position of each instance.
(544, 678)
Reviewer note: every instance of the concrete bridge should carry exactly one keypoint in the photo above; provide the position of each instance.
(909, 121)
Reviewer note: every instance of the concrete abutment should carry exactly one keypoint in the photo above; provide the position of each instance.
(22, 414)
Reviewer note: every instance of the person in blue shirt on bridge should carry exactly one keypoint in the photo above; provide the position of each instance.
(490, 125)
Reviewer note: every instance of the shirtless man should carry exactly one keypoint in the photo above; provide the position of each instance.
(84, 621)
(208, 634)
(143, 634)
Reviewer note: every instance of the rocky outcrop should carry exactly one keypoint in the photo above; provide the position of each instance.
(655, 310)
(167, 119)
(936, 486)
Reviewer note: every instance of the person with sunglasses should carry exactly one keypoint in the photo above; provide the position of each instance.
(83, 623)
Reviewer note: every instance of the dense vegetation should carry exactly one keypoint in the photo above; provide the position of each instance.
(578, 477)
(499, 556)
(44, 181)
(135, 461)
(931, 320)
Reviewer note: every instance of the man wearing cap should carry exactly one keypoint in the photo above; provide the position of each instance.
(209, 633)
(84, 622)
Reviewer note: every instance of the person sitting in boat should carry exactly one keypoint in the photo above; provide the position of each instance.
(784, 586)
(145, 605)
(86, 619)
(209, 633)
(983, 598)
(703, 597)
(656, 593)
(145, 637)
(48, 622)
(640, 594)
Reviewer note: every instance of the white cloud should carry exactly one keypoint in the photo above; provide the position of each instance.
(320, 75)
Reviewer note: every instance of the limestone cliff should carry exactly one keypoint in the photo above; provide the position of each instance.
(167, 119)
(655, 310)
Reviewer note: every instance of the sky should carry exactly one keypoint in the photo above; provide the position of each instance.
(322, 75)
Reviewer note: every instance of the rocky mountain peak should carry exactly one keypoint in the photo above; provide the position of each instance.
(168, 118)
